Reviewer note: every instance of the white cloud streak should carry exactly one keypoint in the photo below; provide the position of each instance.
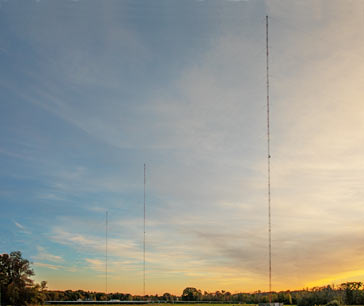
(47, 266)
(43, 255)
(22, 228)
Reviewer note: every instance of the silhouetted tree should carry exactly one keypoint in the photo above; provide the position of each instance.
(17, 287)
(191, 294)
(352, 294)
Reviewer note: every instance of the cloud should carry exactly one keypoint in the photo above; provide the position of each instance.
(50, 196)
(46, 265)
(22, 228)
(46, 256)
(96, 264)
(95, 243)
(18, 225)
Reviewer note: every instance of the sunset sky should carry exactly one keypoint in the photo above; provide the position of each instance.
(92, 90)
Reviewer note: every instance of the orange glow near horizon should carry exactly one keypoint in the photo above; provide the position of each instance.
(176, 287)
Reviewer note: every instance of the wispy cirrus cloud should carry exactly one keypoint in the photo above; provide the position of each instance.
(22, 228)
(47, 266)
(44, 255)
(96, 264)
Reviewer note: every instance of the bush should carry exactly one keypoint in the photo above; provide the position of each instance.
(307, 300)
(333, 303)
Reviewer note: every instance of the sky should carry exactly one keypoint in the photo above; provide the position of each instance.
(91, 90)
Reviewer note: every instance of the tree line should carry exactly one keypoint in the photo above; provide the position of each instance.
(350, 293)
(17, 288)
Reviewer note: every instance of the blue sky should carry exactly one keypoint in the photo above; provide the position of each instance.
(91, 91)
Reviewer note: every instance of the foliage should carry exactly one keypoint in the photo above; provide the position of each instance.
(191, 294)
(333, 303)
(167, 297)
(17, 287)
(353, 294)
(308, 297)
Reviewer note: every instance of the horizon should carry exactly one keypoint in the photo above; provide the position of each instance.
(202, 290)
(91, 92)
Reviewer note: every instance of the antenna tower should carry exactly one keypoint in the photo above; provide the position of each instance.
(144, 235)
(106, 234)
(268, 170)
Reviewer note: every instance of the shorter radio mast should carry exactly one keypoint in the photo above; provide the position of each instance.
(106, 234)
(144, 235)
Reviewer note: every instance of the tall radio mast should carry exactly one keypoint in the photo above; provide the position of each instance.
(268, 169)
